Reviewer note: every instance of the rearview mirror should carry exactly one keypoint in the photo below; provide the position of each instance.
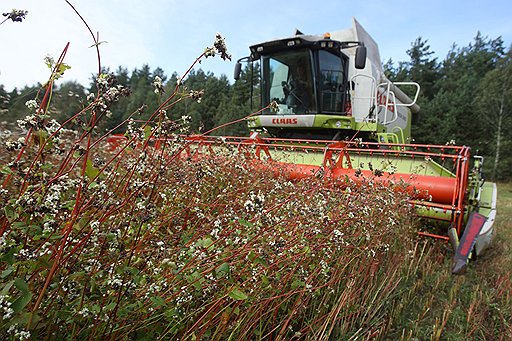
(360, 59)
(238, 70)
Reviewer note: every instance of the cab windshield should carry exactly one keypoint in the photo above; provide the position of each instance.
(288, 77)
(288, 80)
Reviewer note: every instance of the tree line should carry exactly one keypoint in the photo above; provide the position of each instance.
(465, 99)
(220, 103)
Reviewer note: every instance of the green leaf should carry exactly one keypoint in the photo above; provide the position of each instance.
(91, 171)
(20, 225)
(21, 302)
(245, 223)
(252, 256)
(223, 270)
(56, 236)
(131, 270)
(265, 280)
(22, 319)
(110, 306)
(237, 294)
(256, 259)
(196, 280)
(205, 242)
(10, 213)
(8, 256)
(7, 287)
(47, 166)
(157, 301)
(77, 275)
(6, 170)
(21, 285)
(62, 68)
(298, 284)
(7, 272)
(147, 132)
(43, 262)
(69, 204)
(170, 313)
(34, 230)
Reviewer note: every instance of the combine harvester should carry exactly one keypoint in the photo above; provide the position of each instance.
(331, 110)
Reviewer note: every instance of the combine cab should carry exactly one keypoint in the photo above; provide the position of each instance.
(331, 109)
(331, 87)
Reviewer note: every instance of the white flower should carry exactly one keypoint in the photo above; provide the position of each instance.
(157, 84)
(249, 206)
(24, 335)
(196, 95)
(8, 313)
(84, 312)
(215, 233)
(102, 80)
(32, 104)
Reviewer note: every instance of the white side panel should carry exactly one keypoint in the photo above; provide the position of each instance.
(372, 49)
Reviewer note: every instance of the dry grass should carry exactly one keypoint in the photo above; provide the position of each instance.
(476, 306)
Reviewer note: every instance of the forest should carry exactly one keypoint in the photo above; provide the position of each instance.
(465, 99)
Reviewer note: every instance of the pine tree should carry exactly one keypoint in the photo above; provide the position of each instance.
(494, 108)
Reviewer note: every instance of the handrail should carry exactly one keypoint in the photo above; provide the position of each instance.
(403, 97)
(401, 131)
(387, 94)
(391, 92)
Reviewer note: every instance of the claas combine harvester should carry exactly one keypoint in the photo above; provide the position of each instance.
(329, 109)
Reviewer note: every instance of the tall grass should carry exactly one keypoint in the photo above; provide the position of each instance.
(139, 242)
(136, 241)
(476, 306)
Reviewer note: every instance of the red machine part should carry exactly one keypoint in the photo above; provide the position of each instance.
(445, 193)
(436, 189)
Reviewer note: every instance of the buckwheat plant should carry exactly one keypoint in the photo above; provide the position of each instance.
(14, 15)
(153, 234)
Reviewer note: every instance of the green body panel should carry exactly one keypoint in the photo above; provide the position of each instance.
(365, 161)
(433, 213)
(380, 132)
(334, 122)
(486, 196)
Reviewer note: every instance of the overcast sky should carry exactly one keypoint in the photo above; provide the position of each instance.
(171, 33)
